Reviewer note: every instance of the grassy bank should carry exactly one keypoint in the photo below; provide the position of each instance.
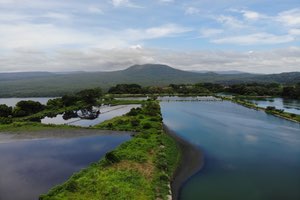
(138, 169)
(31, 126)
(275, 112)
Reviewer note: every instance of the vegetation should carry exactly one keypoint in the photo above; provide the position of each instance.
(271, 89)
(269, 110)
(51, 84)
(5, 111)
(138, 169)
(35, 111)
(31, 126)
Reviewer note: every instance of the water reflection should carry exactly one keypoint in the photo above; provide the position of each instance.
(248, 154)
(288, 105)
(89, 117)
(32, 167)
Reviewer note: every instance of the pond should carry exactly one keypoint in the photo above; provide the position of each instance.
(13, 101)
(288, 105)
(30, 167)
(248, 154)
(107, 112)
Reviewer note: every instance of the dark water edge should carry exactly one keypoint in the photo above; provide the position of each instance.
(192, 160)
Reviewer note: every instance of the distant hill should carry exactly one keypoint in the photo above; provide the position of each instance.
(220, 72)
(56, 84)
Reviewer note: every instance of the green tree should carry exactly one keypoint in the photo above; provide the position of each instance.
(90, 96)
(25, 108)
(5, 110)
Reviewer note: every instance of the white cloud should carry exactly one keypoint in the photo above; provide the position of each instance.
(295, 32)
(290, 17)
(124, 3)
(230, 22)
(95, 10)
(210, 32)
(192, 11)
(255, 39)
(166, 1)
(251, 15)
(167, 30)
(115, 59)
(28, 35)
(57, 16)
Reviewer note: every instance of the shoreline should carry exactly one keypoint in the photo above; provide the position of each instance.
(192, 161)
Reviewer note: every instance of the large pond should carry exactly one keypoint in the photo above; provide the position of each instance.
(107, 112)
(249, 155)
(30, 167)
(13, 101)
(288, 105)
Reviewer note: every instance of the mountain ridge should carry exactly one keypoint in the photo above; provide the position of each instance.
(53, 84)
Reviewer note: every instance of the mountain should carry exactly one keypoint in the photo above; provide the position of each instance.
(56, 84)
(23, 75)
(220, 72)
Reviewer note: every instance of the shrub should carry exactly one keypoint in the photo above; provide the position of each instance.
(111, 157)
(4, 120)
(135, 122)
(147, 125)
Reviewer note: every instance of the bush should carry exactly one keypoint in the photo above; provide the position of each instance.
(147, 125)
(4, 120)
(25, 108)
(135, 122)
(133, 112)
(111, 157)
(5, 111)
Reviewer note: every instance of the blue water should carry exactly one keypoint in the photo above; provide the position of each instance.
(288, 105)
(249, 155)
(31, 167)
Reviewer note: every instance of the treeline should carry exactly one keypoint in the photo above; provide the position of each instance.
(249, 89)
(272, 89)
(199, 88)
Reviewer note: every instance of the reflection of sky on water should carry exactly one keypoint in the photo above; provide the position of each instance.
(289, 105)
(106, 114)
(32, 167)
(248, 154)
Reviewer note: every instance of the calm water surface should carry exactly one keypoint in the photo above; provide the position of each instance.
(249, 155)
(289, 105)
(32, 167)
(13, 101)
(107, 112)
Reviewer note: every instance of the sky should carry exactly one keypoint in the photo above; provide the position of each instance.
(258, 36)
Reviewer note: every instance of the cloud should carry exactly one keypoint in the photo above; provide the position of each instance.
(47, 36)
(290, 17)
(95, 59)
(124, 3)
(210, 32)
(192, 11)
(251, 15)
(57, 16)
(230, 22)
(95, 10)
(255, 39)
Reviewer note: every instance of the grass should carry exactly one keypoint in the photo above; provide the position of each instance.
(138, 169)
(31, 126)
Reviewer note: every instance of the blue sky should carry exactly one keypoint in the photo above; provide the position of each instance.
(255, 36)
